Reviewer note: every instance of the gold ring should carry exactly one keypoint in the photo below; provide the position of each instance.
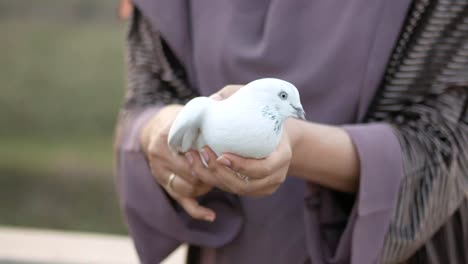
(170, 181)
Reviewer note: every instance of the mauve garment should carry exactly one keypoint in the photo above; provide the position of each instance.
(335, 52)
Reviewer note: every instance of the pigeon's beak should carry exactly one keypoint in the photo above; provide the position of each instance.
(299, 112)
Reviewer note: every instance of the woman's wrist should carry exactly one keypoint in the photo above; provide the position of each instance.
(158, 124)
(293, 129)
(323, 154)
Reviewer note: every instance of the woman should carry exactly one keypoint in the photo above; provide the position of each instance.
(388, 187)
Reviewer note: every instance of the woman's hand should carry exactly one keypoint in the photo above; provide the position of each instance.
(242, 176)
(226, 92)
(317, 153)
(183, 187)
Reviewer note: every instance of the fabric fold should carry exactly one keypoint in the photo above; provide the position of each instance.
(381, 166)
(356, 231)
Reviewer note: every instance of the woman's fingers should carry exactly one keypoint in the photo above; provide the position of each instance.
(258, 168)
(180, 190)
(180, 165)
(268, 173)
(159, 153)
(201, 189)
(175, 163)
(254, 168)
(217, 172)
(179, 186)
(245, 185)
(201, 171)
(208, 169)
(225, 92)
(195, 210)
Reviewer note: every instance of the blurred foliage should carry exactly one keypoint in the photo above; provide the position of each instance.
(61, 83)
(60, 75)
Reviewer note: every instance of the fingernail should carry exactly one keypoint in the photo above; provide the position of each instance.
(216, 97)
(205, 156)
(210, 218)
(194, 175)
(224, 161)
(189, 157)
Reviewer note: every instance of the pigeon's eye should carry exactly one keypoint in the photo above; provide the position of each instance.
(283, 95)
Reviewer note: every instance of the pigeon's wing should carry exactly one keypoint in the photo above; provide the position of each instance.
(184, 132)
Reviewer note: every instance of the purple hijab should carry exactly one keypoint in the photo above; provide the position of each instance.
(335, 52)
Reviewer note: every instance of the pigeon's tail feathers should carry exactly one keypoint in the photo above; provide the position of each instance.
(184, 132)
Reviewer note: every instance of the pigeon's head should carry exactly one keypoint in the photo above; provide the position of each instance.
(278, 95)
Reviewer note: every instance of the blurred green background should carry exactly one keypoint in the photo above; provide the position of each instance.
(61, 82)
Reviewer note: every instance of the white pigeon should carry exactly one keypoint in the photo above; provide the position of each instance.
(249, 123)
